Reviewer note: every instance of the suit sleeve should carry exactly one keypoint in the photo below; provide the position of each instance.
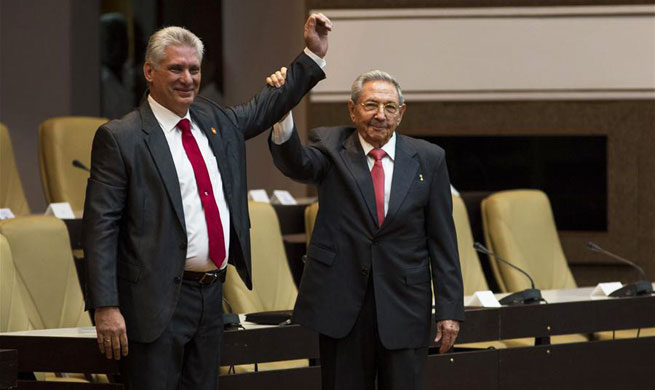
(305, 164)
(271, 104)
(103, 210)
(442, 247)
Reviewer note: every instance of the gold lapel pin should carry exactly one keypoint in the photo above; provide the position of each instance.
(214, 130)
(420, 177)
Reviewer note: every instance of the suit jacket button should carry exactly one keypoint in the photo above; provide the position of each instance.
(364, 271)
(177, 280)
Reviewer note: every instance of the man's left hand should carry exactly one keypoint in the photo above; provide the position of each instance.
(447, 331)
(278, 78)
(316, 31)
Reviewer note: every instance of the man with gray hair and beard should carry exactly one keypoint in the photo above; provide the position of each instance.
(166, 210)
(384, 230)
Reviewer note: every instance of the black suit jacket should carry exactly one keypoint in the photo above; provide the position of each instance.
(134, 234)
(415, 244)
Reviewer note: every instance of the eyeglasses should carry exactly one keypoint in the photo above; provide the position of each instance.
(388, 108)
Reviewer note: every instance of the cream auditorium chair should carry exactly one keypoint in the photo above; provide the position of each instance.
(472, 274)
(39, 284)
(273, 285)
(11, 188)
(13, 316)
(61, 141)
(311, 212)
(520, 227)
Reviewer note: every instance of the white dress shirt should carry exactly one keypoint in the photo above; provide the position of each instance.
(197, 255)
(282, 132)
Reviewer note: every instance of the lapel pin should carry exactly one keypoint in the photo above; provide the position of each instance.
(420, 177)
(213, 130)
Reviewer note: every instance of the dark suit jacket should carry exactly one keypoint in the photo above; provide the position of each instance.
(415, 243)
(135, 239)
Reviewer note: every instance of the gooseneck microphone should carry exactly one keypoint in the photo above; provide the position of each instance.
(528, 296)
(78, 164)
(641, 287)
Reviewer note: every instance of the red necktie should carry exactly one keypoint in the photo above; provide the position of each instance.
(377, 173)
(212, 216)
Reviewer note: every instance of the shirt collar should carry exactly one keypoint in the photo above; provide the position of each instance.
(389, 148)
(167, 119)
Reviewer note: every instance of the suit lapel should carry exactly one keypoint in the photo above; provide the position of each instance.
(405, 169)
(219, 147)
(161, 155)
(353, 157)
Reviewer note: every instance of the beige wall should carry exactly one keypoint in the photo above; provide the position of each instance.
(509, 53)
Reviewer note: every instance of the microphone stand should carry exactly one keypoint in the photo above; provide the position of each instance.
(640, 287)
(527, 296)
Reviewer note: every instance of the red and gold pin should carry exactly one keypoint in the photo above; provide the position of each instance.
(213, 130)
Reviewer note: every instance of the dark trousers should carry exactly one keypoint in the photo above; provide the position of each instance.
(359, 359)
(187, 355)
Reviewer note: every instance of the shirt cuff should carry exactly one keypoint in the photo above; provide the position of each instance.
(282, 130)
(319, 61)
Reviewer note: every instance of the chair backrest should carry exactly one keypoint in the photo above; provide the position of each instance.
(45, 274)
(273, 285)
(311, 212)
(13, 316)
(11, 188)
(62, 140)
(472, 274)
(519, 226)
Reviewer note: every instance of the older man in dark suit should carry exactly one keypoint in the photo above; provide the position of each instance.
(384, 229)
(166, 210)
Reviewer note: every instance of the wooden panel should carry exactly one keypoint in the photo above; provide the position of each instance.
(576, 317)
(622, 364)
(301, 378)
(8, 368)
(479, 325)
(466, 370)
(58, 354)
(269, 344)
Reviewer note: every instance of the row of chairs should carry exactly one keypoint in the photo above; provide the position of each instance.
(518, 225)
(61, 140)
(39, 287)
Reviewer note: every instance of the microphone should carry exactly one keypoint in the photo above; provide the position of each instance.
(78, 164)
(641, 287)
(528, 296)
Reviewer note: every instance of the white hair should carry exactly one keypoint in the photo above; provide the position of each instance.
(171, 36)
(374, 75)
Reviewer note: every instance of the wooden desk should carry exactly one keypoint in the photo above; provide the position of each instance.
(8, 368)
(598, 364)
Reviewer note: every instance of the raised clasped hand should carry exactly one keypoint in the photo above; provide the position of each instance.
(316, 31)
(278, 78)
